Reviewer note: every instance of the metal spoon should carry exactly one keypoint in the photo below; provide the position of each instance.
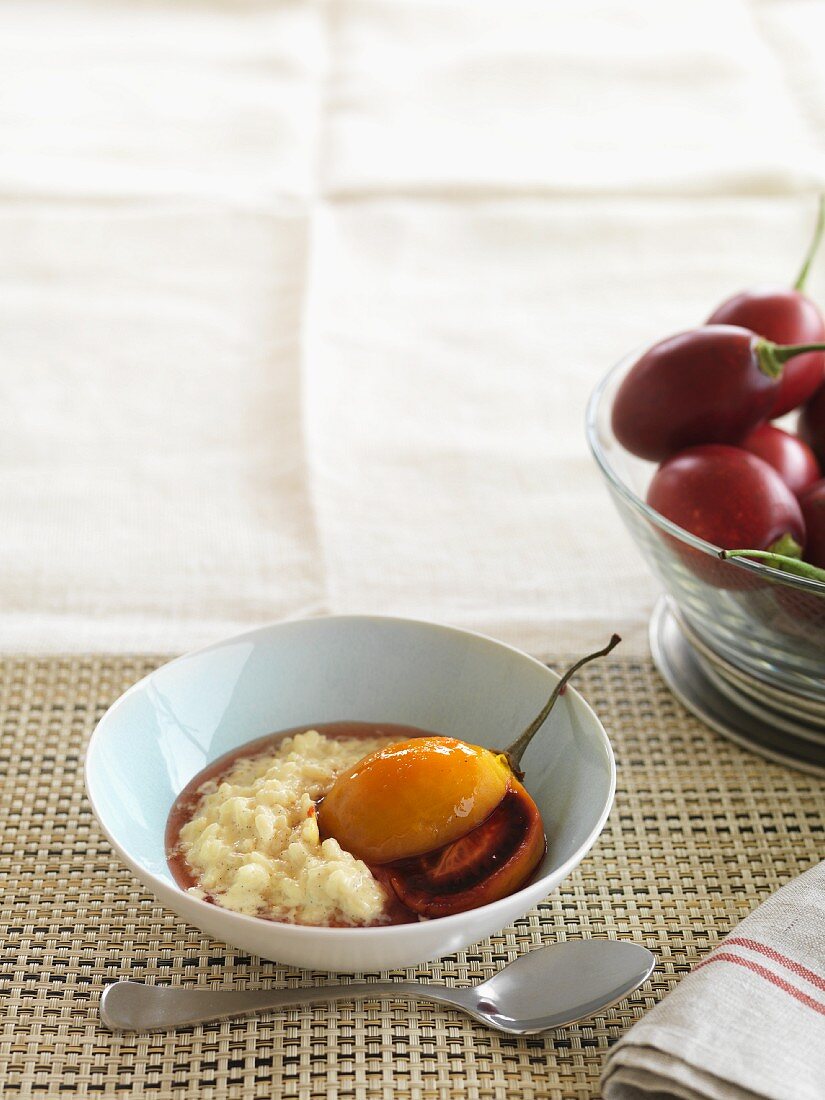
(543, 989)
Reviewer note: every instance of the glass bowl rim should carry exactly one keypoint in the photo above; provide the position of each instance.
(805, 584)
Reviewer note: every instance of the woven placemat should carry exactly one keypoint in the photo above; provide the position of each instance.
(700, 833)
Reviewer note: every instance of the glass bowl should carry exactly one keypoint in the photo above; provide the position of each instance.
(767, 624)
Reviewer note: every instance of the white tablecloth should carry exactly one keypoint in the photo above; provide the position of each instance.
(300, 303)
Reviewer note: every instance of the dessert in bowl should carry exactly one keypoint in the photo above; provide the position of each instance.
(196, 717)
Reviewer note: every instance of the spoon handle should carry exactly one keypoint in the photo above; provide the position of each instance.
(132, 1006)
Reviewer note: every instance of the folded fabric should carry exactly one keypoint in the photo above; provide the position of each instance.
(748, 1022)
(301, 303)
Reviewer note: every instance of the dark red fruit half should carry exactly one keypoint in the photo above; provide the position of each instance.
(490, 862)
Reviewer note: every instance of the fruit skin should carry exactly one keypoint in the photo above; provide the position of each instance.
(792, 458)
(491, 862)
(785, 316)
(700, 386)
(731, 499)
(811, 426)
(413, 797)
(813, 510)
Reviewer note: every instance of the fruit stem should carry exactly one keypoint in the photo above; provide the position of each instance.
(515, 752)
(802, 278)
(779, 561)
(786, 546)
(772, 357)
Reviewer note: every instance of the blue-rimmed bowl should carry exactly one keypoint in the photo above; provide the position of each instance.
(170, 725)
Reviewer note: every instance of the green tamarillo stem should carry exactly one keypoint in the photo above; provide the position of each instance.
(517, 749)
(772, 357)
(802, 278)
(786, 547)
(779, 561)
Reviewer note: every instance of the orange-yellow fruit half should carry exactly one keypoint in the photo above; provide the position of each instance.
(413, 797)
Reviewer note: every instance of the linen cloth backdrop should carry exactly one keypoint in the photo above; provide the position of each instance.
(300, 303)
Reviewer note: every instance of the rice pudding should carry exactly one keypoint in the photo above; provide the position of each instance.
(244, 833)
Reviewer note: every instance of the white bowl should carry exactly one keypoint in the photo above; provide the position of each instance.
(171, 724)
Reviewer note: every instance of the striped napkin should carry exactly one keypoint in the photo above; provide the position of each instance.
(748, 1022)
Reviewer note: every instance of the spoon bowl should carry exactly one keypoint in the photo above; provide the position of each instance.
(546, 988)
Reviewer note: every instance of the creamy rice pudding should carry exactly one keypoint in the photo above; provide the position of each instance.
(244, 833)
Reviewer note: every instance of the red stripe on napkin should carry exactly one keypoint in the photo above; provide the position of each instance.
(769, 952)
(768, 975)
